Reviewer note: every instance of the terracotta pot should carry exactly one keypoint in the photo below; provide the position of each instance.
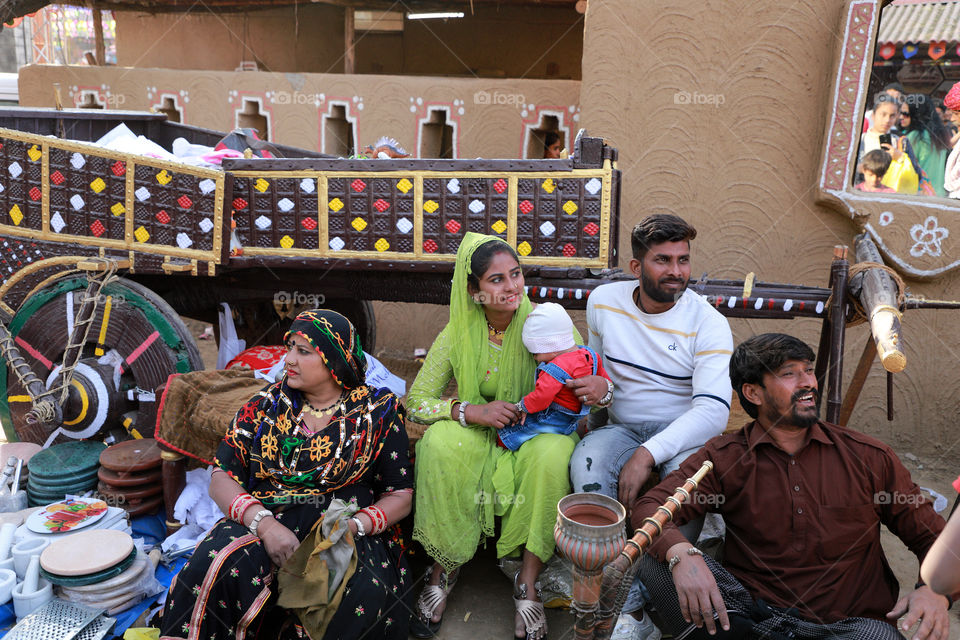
(589, 533)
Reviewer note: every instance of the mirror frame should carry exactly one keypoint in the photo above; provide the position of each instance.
(918, 235)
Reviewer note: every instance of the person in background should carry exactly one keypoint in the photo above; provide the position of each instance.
(904, 120)
(886, 111)
(892, 89)
(874, 164)
(929, 138)
(551, 145)
(951, 182)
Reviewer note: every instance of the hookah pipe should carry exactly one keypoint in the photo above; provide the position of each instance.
(618, 575)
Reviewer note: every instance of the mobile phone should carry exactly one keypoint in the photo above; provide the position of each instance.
(885, 138)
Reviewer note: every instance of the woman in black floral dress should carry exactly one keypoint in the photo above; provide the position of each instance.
(319, 434)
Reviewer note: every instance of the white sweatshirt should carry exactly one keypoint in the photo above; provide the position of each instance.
(666, 367)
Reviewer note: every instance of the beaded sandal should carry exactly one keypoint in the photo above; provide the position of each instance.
(432, 596)
(531, 612)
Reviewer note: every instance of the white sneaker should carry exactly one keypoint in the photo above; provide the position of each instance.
(629, 628)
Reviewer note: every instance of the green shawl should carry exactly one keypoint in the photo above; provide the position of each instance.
(471, 347)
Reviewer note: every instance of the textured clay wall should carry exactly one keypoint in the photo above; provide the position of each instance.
(718, 115)
(514, 42)
(488, 117)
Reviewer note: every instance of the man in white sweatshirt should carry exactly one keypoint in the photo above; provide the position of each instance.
(668, 353)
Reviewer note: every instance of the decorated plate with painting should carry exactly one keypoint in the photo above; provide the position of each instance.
(69, 514)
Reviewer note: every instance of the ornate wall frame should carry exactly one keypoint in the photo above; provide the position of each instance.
(918, 235)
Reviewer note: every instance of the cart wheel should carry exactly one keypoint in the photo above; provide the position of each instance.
(136, 341)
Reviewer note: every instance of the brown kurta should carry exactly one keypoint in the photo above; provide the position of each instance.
(803, 530)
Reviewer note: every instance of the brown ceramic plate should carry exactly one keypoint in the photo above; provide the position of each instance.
(129, 494)
(131, 455)
(114, 479)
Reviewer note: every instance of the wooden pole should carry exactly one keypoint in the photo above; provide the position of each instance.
(859, 378)
(349, 59)
(98, 37)
(878, 293)
(838, 327)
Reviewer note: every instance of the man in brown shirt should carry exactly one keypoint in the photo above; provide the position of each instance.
(802, 501)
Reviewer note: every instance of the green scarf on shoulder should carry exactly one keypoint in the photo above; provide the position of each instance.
(468, 325)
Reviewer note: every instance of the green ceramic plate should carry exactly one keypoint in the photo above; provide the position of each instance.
(67, 460)
(42, 482)
(90, 578)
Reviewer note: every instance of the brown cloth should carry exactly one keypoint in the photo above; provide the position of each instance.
(803, 531)
(312, 580)
(197, 407)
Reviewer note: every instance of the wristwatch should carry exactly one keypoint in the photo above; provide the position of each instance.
(675, 560)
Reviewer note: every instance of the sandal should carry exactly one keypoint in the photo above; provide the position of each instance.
(432, 596)
(531, 612)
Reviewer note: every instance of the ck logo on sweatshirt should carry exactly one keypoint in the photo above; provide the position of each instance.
(672, 347)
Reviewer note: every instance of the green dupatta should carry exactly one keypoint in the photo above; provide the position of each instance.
(471, 345)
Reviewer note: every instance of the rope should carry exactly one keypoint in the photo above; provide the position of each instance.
(96, 285)
(859, 313)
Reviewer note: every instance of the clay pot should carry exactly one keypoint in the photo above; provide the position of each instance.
(589, 533)
(589, 530)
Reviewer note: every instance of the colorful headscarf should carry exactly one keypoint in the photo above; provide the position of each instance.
(337, 342)
(471, 349)
(952, 99)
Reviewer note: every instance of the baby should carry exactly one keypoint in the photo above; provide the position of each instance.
(551, 407)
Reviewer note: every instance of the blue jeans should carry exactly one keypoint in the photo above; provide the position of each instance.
(553, 419)
(595, 468)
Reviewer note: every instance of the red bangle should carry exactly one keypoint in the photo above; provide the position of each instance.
(239, 506)
(377, 517)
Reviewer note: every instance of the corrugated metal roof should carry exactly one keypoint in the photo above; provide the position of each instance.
(920, 23)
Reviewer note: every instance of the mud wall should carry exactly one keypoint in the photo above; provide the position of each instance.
(486, 117)
(718, 116)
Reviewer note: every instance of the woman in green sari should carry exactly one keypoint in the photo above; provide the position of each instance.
(463, 478)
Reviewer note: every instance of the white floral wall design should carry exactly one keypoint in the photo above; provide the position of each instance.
(927, 237)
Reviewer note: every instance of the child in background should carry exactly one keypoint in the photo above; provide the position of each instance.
(874, 164)
(551, 407)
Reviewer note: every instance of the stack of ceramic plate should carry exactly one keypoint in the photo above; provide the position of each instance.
(68, 468)
(97, 568)
(130, 476)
